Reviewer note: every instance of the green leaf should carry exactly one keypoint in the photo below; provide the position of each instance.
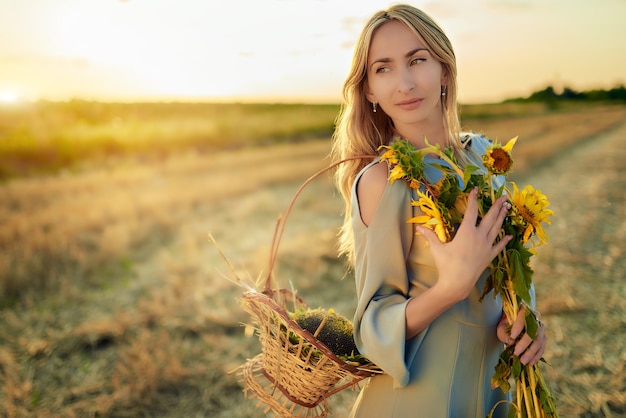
(532, 325)
(469, 177)
(520, 273)
(503, 370)
(516, 367)
(449, 152)
(449, 191)
(501, 377)
(499, 191)
(493, 282)
(489, 286)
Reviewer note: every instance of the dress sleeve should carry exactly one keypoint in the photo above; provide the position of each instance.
(382, 282)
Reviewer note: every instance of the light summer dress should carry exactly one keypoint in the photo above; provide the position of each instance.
(444, 371)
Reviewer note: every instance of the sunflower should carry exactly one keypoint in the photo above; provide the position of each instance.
(405, 162)
(390, 155)
(397, 172)
(497, 159)
(530, 211)
(434, 217)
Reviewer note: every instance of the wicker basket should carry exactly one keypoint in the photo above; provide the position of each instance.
(302, 369)
(294, 374)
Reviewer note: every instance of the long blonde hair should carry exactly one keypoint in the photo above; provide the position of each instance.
(360, 131)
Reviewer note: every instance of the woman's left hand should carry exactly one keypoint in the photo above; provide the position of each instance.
(528, 349)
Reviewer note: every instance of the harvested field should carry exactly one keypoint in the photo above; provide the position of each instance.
(115, 304)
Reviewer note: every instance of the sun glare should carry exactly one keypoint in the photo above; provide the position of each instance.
(8, 97)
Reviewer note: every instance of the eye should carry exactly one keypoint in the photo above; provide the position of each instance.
(382, 70)
(415, 61)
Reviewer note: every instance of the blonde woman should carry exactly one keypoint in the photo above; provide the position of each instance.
(418, 315)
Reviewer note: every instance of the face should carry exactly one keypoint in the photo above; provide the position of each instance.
(404, 78)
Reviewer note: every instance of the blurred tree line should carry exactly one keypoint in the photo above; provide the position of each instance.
(549, 94)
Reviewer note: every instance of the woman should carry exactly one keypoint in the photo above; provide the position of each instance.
(418, 315)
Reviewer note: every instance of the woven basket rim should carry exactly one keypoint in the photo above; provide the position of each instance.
(359, 372)
(282, 405)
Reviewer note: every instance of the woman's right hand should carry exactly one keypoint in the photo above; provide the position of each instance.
(461, 261)
(529, 350)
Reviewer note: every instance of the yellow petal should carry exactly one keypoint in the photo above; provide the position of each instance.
(422, 219)
(396, 173)
(509, 145)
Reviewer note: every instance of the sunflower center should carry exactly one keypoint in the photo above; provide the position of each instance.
(501, 159)
(527, 214)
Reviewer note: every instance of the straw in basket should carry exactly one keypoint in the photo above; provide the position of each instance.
(295, 373)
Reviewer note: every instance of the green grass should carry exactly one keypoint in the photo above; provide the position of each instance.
(44, 137)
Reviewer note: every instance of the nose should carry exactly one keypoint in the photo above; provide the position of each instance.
(406, 81)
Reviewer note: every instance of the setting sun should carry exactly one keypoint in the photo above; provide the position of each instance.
(8, 97)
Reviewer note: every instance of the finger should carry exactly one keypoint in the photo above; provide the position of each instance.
(535, 359)
(534, 352)
(503, 333)
(496, 227)
(494, 216)
(523, 344)
(539, 354)
(499, 246)
(471, 212)
(519, 324)
(494, 210)
(428, 234)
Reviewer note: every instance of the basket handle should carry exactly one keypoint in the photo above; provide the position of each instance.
(282, 220)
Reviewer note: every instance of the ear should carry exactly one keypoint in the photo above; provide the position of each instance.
(369, 95)
(444, 77)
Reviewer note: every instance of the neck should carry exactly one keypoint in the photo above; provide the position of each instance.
(418, 135)
(431, 129)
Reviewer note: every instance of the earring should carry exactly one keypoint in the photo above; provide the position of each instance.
(443, 90)
(374, 107)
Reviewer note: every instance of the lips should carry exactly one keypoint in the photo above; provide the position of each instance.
(409, 104)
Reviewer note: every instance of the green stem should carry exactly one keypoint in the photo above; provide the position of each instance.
(524, 384)
(532, 377)
(518, 399)
(443, 156)
(550, 400)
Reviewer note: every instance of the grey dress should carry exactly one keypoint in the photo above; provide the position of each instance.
(445, 371)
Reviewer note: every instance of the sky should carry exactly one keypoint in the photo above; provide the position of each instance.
(291, 50)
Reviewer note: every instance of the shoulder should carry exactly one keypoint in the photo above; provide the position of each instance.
(370, 188)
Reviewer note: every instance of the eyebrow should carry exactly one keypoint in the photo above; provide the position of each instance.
(407, 55)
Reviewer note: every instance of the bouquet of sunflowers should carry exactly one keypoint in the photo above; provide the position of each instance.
(443, 206)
